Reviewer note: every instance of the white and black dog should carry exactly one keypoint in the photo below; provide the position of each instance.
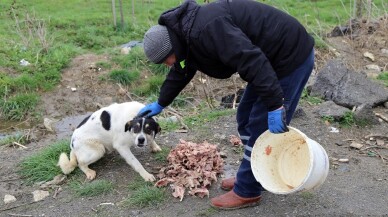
(114, 127)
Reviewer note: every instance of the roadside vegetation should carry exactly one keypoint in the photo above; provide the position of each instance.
(39, 39)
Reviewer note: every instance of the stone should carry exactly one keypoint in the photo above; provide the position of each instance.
(9, 199)
(40, 195)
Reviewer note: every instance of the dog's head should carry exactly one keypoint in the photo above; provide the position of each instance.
(144, 129)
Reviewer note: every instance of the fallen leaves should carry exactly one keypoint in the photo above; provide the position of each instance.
(192, 167)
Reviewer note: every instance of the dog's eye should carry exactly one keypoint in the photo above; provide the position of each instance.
(148, 130)
(136, 128)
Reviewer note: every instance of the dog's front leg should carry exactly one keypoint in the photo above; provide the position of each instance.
(155, 147)
(126, 153)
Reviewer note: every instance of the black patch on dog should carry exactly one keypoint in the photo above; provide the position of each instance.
(105, 120)
(150, 126)
(127, 126)
(83, 121)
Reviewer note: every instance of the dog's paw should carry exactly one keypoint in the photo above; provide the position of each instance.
(155, 148)
(148, 177)
(91, 174)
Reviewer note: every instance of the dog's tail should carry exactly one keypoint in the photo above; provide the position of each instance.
(66, 165)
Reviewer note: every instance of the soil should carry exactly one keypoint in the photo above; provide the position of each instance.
(356, 188)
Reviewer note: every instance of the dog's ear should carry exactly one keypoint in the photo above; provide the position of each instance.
(158, 128)
(128, 126)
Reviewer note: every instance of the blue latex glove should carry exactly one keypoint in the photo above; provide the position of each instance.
(277, 121)
(150, 110)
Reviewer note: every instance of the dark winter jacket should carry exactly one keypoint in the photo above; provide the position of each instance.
(261, 43)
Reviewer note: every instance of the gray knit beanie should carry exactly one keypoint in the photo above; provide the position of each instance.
(157, 44)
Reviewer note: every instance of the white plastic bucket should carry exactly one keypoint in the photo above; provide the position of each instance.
(289, 162)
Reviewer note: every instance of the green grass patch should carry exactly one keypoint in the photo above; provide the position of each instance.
(123, 76)
(19, 106)
(347, 120)
(104, 65)
(161, 156)
(144, 194)
(383, 77)
(168, 125)
(310, 99)
(42, 166)
(206, 116)
(151, 86)
(9, 140)
(90, 189)
(207, 212)
(307, 195)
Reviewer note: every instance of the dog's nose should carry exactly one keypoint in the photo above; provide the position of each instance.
(141, 140)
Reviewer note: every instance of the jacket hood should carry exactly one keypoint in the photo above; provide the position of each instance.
(180, 19)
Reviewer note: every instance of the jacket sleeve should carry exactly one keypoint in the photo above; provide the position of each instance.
(175, 82)
(223, 40)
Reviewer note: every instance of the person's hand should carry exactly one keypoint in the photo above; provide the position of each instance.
(277, 121)
(150, 110)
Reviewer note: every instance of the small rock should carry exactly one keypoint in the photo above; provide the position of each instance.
(373, 67)
(9, 198)
(384, 51)
(356, 145)
(125, 50)
(334, 130)
(343, 160)
(370, 56)
(40, 195)
(24, 62)
(49, 124)
(73, 89)
(223, 154)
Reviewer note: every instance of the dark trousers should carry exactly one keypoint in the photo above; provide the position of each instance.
(252, 120)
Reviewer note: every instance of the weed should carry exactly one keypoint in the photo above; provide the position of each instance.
(207, 212)
(18, 137)
(168, 125)
(206, 116)
(42, 166)
(310, 99)
(104, 65)
(384, 78)
(144, 194)
(347, 120)
(124, 77)
(19, 106)
(161, 156)
(159, 69)
(151, 86)
(91, 189)
(307, 195)
(330, 119)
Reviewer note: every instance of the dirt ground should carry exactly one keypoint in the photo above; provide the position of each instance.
(356, 188)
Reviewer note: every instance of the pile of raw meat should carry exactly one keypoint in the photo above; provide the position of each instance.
(192, 167)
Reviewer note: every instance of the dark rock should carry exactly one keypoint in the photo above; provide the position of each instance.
(347, 88)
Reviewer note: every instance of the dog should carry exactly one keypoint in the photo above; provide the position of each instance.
(115, 127)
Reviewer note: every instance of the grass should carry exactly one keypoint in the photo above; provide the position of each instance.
(161, 156)
(79, 27)
(310, 99)
(207, 212)
(123, 76)
(347, 120)
(9, 140)
(91, 189)
(206, 116)
(144, 194)
(42, 166)
(307, 195)
(383, 77)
